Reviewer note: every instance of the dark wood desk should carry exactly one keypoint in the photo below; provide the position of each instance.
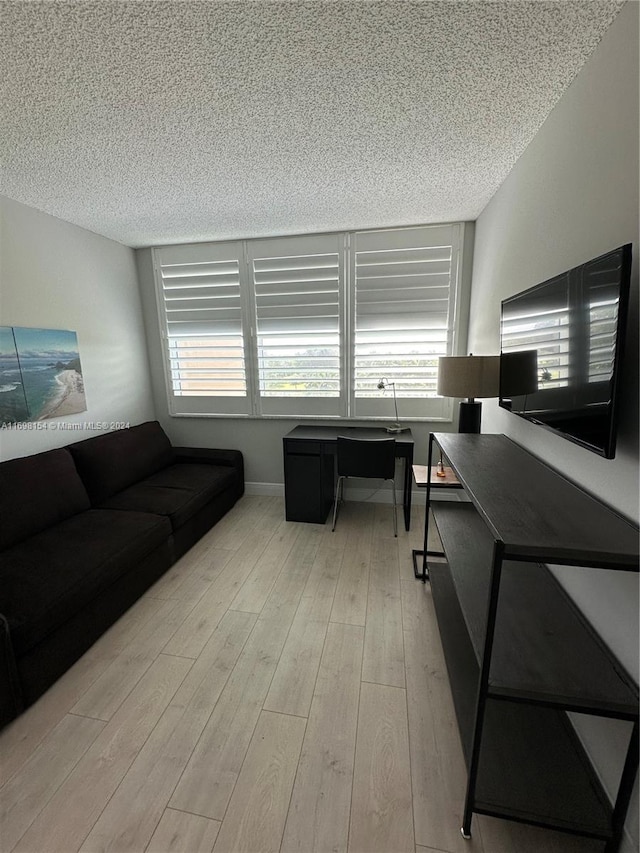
(309, 468)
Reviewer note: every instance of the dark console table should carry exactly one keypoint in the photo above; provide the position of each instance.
(309, 468)
(519, 653)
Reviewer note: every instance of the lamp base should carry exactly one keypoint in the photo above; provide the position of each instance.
(470, 417)
(396, 428)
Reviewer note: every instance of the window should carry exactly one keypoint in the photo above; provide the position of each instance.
(404, 289)
(203, 326)
(308, 325)
(298, 287)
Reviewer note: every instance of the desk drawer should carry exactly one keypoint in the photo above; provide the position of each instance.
(302, 448)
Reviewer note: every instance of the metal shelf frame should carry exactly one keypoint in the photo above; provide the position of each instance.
(495, 549)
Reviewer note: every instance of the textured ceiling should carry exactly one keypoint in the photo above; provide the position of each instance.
(160, 122)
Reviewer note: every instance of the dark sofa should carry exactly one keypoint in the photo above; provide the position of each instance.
(84, 531)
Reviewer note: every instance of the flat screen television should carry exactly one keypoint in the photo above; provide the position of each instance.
(561, 344)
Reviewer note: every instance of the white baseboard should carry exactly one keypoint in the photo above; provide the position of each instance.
(275, 490)
(362, 495)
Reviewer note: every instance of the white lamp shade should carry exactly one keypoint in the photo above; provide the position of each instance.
(468, 376)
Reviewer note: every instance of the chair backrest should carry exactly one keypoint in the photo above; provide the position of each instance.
(366, 457)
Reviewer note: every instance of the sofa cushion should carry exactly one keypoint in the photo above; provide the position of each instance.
(177, 492)
(45, 580)
(37, 492)
(110, 463)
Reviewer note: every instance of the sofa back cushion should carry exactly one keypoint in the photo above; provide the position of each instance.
(111, 462)
(37, 492)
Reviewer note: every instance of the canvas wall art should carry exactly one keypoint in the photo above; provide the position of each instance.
(40, 374)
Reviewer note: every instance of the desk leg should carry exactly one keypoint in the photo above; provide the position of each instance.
(408, 469)
(423, 574)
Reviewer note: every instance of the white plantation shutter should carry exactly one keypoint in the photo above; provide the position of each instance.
(307, 325)
(297, 285)
(202, 307)
(404, 284)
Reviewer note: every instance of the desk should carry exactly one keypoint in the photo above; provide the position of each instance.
(433, 481)
(309, 468)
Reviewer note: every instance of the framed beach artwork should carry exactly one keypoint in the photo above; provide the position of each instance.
(40, 374)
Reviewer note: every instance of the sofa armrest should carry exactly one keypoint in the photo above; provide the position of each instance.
(11, 703)
(212, 456)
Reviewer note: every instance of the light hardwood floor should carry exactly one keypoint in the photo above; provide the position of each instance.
(281, 688)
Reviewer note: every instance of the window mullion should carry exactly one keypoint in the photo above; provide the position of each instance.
(454, 289)
(162, 320)
(349, 325)
(249, 322)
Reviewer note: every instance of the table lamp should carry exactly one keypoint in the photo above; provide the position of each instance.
(469, 376)
(383, 384)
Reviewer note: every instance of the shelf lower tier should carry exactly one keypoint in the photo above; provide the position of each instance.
(544, 650)
(532, 767)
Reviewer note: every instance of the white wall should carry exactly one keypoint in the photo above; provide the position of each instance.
(55, 275)
(573, 195)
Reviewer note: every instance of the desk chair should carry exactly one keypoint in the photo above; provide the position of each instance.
(361, 457)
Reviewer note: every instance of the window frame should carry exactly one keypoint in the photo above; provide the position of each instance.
(439, 409)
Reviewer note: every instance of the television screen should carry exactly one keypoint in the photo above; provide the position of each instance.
(561, 344)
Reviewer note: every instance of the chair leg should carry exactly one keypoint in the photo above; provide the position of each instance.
(338, 497)
(395, 509)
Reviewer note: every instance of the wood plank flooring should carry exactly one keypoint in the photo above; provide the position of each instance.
(281, 689)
